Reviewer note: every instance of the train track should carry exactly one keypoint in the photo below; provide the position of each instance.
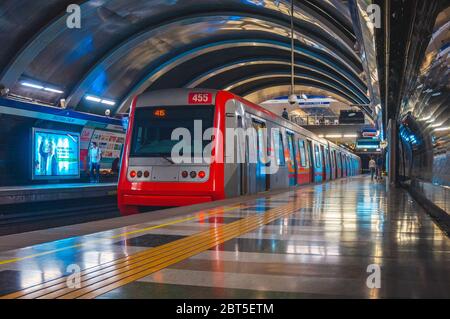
(36, 216)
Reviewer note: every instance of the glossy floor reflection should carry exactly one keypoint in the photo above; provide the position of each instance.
(320, 248)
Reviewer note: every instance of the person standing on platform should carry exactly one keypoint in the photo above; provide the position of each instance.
(95, 156)
(380, 168)
(372, 167)
(285, 114)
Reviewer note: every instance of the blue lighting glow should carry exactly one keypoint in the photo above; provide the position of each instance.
(84, 48)
(100, 84)
(408, 136)
(259, 3)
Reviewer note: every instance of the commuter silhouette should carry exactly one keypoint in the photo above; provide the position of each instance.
(372, 167)
(95, 155)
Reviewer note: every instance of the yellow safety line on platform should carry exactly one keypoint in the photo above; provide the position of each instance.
(103, 278)
(211, 212)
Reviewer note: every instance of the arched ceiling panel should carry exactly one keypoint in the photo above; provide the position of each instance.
(254, 83)
(109, 22)
(15, 33)
(220, 64)
(164, 68)
(131, 59)
(126, 47)
(227, 79)
(270, 92)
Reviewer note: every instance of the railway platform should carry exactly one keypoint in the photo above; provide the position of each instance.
(348, 238)
(51, 192)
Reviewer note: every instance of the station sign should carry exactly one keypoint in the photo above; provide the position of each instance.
(370, 133)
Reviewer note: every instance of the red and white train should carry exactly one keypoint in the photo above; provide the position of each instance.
(149, 176)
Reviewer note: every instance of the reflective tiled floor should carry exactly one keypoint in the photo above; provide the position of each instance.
(313, 242)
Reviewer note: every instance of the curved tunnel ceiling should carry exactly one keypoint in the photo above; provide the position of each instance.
(128, 47)
(266, 93)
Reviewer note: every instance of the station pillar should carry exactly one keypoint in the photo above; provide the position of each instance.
(393, 144)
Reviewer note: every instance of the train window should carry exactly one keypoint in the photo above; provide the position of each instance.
(152, 133)
(317, 156)
(279, 148)
(333, 158)
(262, 153)
(301, 147)
(338, 161)
(290, 138)
(327, 157)
(308, 153)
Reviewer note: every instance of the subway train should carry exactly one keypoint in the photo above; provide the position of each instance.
(229, 147)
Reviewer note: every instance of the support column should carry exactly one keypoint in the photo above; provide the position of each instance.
(393, 144)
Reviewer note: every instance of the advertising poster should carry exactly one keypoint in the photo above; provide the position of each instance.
(86, 135)
(110, 143)
(56, 154)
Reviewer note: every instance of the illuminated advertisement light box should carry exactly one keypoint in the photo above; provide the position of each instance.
(56, 154)
(368, 143)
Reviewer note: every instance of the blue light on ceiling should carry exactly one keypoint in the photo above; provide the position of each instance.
(84, 48)
(259, 3)
(100, 84)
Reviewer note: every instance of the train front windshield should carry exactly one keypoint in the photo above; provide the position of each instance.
(153, 128)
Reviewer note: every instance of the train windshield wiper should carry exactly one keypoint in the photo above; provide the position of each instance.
(168, 159)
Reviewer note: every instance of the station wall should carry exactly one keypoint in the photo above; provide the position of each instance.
(424, 123)
(16, 156)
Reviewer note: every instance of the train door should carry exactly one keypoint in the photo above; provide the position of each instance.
(292, 165)
(352, 167)
(333, 164)
(338, 165)
(298, 161)
(309, 152)
(324, 163)
(261, 174)
(349, 166)
(231, 170)
(318, 167)
(344, 164)
(327, 163)
(304, 177)
(243, 167)
(280, 151)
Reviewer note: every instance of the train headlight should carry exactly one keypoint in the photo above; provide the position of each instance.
(201, 174)
(184, 174)
(133, 174)
(146, 174)
(193, 174)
